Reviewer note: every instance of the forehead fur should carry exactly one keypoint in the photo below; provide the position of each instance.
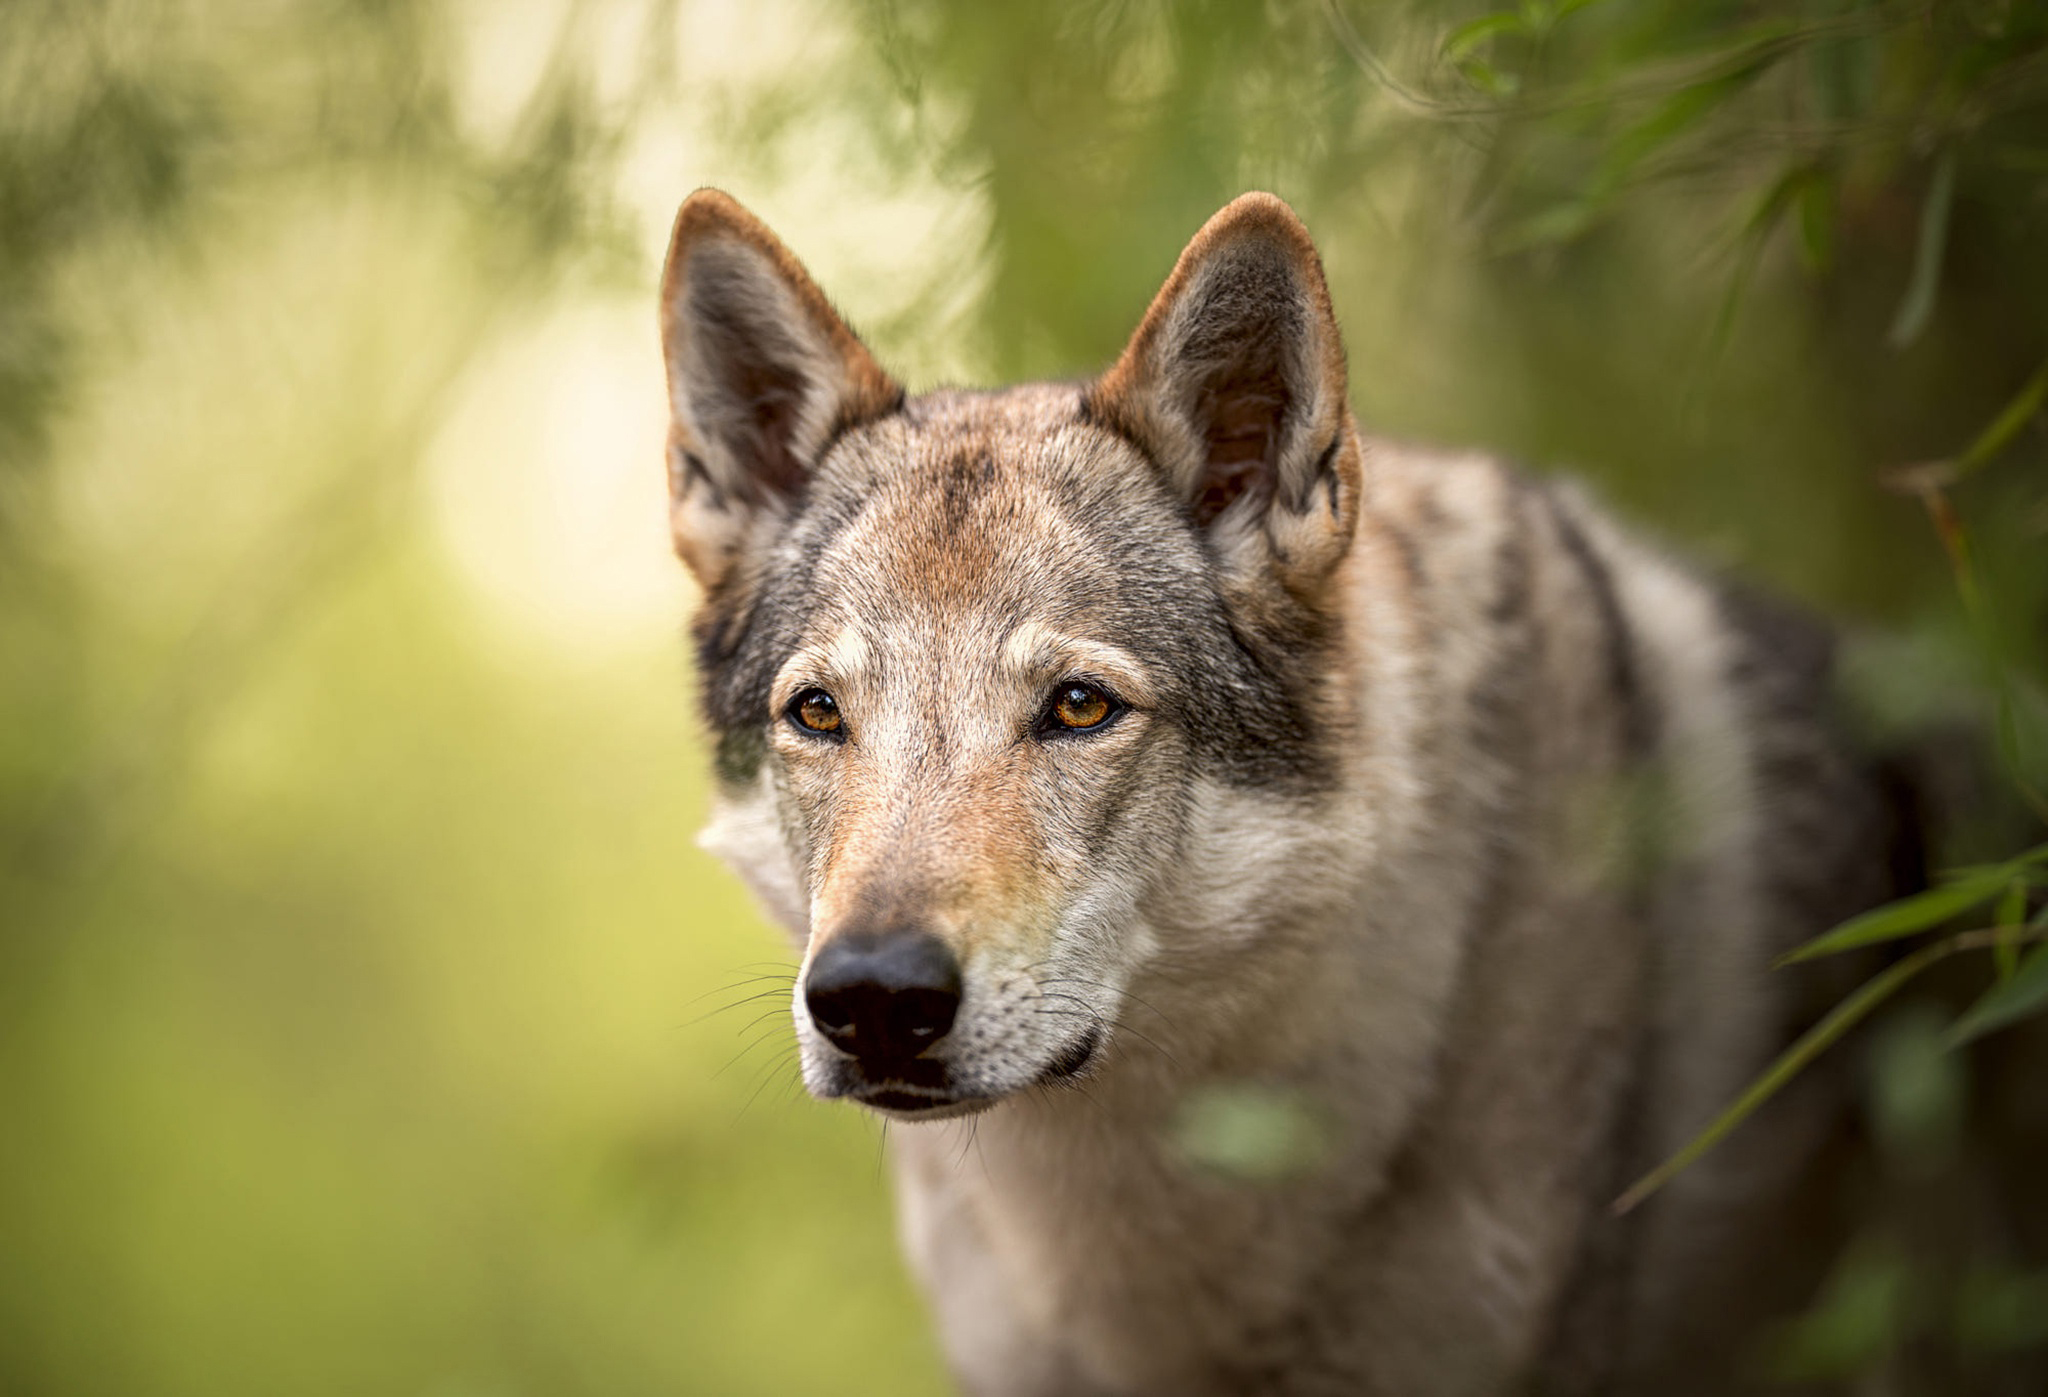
(1001, 510)
(1002, 504)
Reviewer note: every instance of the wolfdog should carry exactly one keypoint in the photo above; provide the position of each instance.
(1138, 754)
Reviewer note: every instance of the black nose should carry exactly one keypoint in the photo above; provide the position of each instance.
(883, 997)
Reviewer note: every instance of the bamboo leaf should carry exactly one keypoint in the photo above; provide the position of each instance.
(1812, 1044)
(1484, 77)
(2012, 910)
(1917, 307)
(1920, 912)
(1672, 117)
(1817, 223)
(2006, 1002)
(1763, 218)
(1471, 34)
(2016, 414)
(1770, 207)
(1558, 224)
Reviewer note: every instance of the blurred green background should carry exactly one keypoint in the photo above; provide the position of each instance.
(369, 1021)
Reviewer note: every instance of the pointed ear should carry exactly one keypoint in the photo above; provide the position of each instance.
(1234, 385)
(762, 374)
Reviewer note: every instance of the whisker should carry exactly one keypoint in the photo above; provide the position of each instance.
(793, 1090)
(976, 1138)
(1073, 1084)
(748, 1051)
(740, 983)
(1126, 993)
(1096, 1017)
(779, 994)
(765, 1026)
(1060, 994)
(766, 1078)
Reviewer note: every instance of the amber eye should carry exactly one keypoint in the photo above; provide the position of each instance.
(816, 711)
(1078, 708)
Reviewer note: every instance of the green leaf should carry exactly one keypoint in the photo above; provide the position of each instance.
(1917, 307)
(1471, 34)
(1812, 1044)
(2016, 414)
(1484, 77)
(1854, 1320)
(1250, 1131)
(1771, 205)
(1671, 119)
(2006, 1002)
(2036, 857)
(2002, 1309)
(2012, 910)
(1921, 912)
(1756, 231)
(1817, 222)
(1560, 223)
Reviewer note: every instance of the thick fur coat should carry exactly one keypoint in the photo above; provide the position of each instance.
(1431, 808)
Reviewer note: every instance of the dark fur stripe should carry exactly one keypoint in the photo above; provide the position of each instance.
(1637, 714)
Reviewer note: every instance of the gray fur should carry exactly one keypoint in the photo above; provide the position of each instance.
(1447, 814)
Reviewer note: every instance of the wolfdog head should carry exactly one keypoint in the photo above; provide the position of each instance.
(1015, 692)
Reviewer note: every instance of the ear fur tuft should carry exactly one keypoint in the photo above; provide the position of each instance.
(762, 375)
(1234, 385)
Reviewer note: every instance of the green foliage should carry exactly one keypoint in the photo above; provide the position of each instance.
(2021, 995)
(1925, 911)
(350, 917)
(345, 938)
(1859, 1318)
(1251, 1133)
(1794, 1060)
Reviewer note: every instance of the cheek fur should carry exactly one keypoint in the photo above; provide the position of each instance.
(748, 831)
(1113, 803)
